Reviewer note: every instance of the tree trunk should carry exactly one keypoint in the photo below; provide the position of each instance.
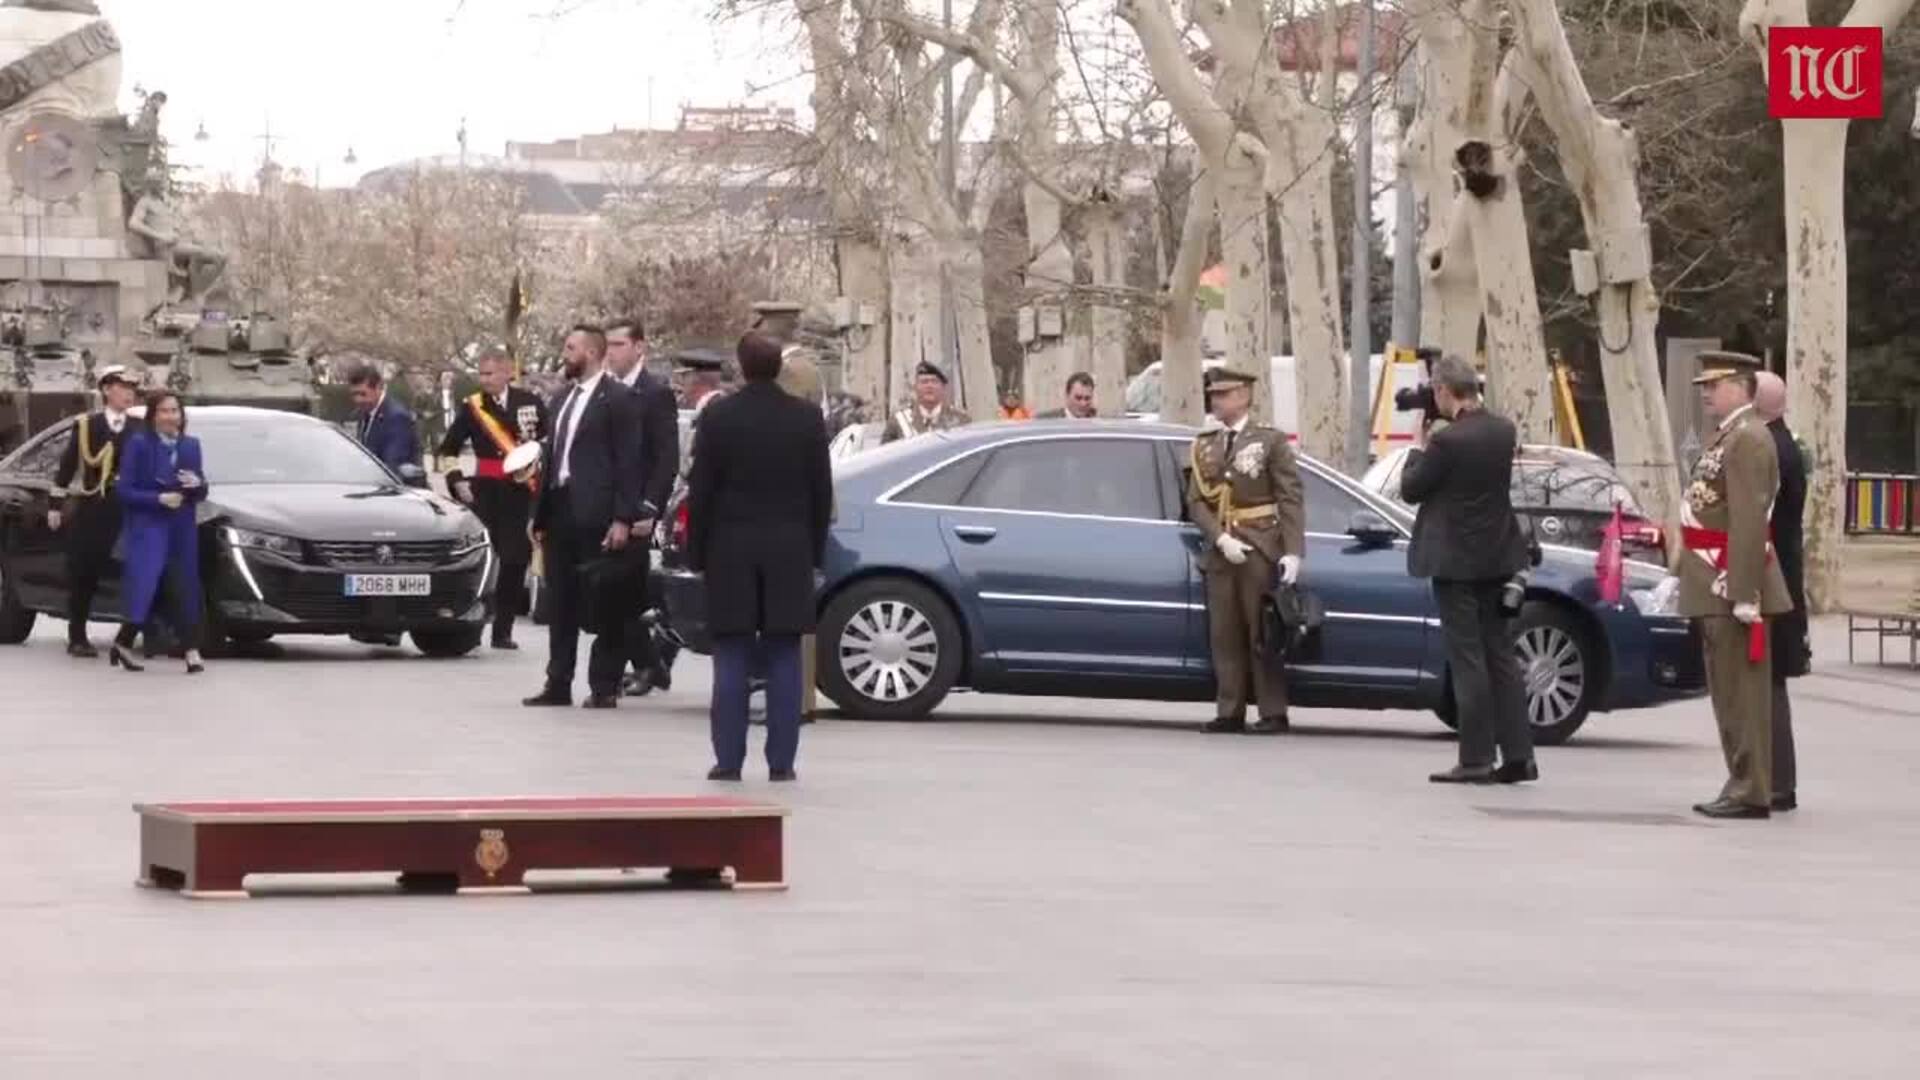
(1601, 157)
(1107, 252)
(1181, 397)
(1816, 165)
(974, 387)
(915, 315)
(863, 278)
(1449, 279)
(1242, 206)
(1515, 343)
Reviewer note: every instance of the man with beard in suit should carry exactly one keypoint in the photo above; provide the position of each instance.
(1792, 654)
(592, 479)
(494, 421)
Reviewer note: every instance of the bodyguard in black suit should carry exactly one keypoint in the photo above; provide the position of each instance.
(1792, 655)
(91, 514)
(590, 500)
(760, 498)
(1467, 539)
(660, 438)
(497, 419)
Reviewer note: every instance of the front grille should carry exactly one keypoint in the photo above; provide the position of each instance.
(383, 553)
(320, 598)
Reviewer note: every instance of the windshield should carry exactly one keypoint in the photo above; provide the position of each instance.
(282, 450)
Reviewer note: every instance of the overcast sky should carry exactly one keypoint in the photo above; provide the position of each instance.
(392, 78)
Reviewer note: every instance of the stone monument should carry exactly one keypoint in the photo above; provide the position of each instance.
(64, 241)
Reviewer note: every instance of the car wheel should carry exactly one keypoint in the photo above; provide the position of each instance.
(447, 644)
(16, 621)
(1557, 665)
(889, 650)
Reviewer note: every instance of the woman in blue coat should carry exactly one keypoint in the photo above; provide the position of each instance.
(161, 480)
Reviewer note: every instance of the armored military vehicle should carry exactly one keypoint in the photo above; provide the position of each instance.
(223, 361)
(43, 377)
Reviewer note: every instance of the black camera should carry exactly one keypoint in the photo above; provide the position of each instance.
(1420, 398)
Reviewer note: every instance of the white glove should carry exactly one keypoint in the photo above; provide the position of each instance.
(1234, 550)
(1747, 613)
(1289, 569)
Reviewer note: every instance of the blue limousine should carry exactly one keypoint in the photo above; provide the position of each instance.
(1055, 558)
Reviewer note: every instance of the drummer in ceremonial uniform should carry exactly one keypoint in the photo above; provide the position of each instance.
(1730, 581)
(497, 420)
(84, 502)
(929, 410)
(1244, 493)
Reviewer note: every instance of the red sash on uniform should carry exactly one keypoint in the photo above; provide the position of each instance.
(492, 468)
(1713, 540)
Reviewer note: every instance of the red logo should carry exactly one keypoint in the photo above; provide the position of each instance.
(1824, 73)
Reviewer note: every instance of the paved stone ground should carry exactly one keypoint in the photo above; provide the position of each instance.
(1048, 888)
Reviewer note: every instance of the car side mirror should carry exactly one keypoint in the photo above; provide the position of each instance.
(412, 475)
(1372, 530)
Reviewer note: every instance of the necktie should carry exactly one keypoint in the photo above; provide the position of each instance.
(563, 435)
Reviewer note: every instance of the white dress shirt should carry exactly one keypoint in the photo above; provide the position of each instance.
(575, 404)
(116, 421)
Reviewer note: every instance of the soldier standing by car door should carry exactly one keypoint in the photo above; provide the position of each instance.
(1245, 495)
(929, 411)
(91, 514)
(495, 421)
(1730, 580)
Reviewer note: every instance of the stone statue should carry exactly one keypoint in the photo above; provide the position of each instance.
(192, 268)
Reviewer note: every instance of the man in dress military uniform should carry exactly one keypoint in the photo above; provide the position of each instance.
(929, 410)
(1730, 580)
(91, 513)
(496, 420)
(1245, 494)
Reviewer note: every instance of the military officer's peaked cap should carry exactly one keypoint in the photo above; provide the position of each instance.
(928, 367)
(1221, 379)
(1716, 365)
(113, 373)
(701, 358)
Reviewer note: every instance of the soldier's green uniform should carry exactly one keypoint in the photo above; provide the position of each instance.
(1727, 561)
(907, 422)
(1244, 483)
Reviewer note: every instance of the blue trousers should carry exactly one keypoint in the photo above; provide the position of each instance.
(735, 660)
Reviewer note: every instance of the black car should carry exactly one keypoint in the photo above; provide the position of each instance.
(303, 532)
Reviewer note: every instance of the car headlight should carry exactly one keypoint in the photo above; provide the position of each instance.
(471, 540)
(284, 546)
(1661, 599)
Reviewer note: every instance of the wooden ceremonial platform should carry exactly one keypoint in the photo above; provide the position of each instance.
(207, 849)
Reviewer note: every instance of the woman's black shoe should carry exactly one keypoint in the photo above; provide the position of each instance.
(117, 657)
(718, 773)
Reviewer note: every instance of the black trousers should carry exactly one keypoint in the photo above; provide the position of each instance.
(91, 531)
(505, 507)
(1489, 700)
(570, 546)
(1786, 767)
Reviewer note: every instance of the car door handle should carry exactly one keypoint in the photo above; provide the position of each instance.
(975, 534)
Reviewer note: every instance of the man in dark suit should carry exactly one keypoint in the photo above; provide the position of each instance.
(494, 421)
(760, 498)
(91, 514)
(660, 443)
(1792, 655)
(1079, 401)
(590, 499)
(386, 426)
(1467, 539)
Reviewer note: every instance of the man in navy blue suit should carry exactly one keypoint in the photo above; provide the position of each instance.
(386, 427)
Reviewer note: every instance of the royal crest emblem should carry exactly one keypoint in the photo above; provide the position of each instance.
(1250, 459)
(491, 853)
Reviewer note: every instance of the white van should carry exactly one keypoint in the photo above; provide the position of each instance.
(1144, 396)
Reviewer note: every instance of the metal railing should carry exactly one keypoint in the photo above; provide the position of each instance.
(1882, 503)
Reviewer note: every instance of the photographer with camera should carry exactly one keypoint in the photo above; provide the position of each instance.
(1467, 539)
